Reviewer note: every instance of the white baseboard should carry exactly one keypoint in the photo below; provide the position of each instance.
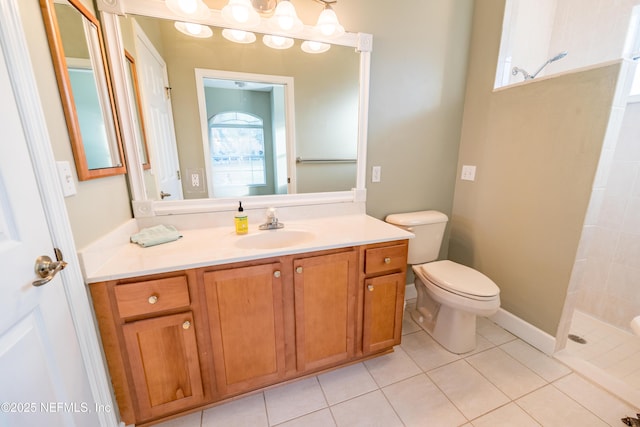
(525, 331)
(518, 327)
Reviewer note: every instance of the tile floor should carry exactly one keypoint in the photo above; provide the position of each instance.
(504, 382)
(615, 351)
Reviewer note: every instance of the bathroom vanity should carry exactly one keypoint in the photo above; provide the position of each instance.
(190, 323)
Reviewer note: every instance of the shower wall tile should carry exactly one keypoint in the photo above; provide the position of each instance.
(604, 243)
(595, 203)
(628, 250)
(632, 215)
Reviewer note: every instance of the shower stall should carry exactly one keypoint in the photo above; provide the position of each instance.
(595, 336)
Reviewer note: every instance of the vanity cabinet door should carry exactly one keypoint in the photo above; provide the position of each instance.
(245, 310)
(164, 362)
(383, 309)
(325, 294)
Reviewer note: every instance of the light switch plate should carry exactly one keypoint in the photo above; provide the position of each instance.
(66, 179)
(468, 173)
(376, 171)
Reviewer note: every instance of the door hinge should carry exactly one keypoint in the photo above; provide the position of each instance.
(178, 175)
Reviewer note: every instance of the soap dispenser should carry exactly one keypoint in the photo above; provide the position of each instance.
(241, 221)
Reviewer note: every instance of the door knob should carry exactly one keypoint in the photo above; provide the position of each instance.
(163, 195)
(47, 268)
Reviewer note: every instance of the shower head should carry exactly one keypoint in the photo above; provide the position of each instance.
(558, 56)
(528, 76)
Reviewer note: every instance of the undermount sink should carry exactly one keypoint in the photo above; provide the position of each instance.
(273, 239)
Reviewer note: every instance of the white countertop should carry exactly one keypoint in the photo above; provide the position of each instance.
(218, 245)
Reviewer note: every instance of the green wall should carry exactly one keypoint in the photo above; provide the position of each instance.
(536, 147)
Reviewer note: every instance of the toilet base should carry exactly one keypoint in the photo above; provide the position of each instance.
(455, 330)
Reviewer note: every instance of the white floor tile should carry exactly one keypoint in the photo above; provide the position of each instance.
(543, 365)
(322, 418)
(550, 407)
(506, 416)
(191, 420)
(601, 403)
(426, 352)
(493, 332)
(510, 376)
(369, 410)
(294, 400)
(419, 402)
(248, 411)
(346, 383)
(392, 367)
(472, 393)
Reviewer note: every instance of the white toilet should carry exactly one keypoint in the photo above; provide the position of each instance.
(450, 295)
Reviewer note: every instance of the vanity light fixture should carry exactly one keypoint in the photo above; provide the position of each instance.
(310, 46)
(189, 8)
(193, 30)
(238, 36)
(277, 42)
(285, 18)
(328, 24)
(281, 16)
(241, 13)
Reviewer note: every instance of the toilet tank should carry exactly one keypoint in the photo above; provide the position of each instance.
(428, 227)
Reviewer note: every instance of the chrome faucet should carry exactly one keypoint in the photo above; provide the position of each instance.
(272, 221)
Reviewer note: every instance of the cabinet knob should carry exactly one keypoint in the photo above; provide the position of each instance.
(186, 324)
(153, 299)
(387, 260)
(276, 273)
(370, 287)
(299, 270)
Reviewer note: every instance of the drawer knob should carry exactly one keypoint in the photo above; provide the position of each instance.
(276, 273)
(299, 270)
(153, 299)
(186, 325)
(370, 287)
(387, 260)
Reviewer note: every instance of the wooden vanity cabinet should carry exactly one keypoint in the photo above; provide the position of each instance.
(325, 292)
(180, 341)
(244, 306)
(148, 328)
(383, 272)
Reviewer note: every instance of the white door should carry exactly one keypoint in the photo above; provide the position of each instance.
(43, 381)
(158, 117)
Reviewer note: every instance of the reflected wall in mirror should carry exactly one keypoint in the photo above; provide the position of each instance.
(77, 52)
(324, 113)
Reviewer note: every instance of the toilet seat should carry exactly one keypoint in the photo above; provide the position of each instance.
(459, 279)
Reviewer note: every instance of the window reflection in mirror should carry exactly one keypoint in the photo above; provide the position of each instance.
(85, 90)
(247, 132)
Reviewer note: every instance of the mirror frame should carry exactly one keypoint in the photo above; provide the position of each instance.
(58, 57)
(110, 10)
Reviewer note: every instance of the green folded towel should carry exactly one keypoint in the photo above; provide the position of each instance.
(156, 235)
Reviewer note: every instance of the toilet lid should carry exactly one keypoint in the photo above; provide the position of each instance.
(459, 279)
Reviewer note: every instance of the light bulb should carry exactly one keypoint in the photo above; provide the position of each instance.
(240, 12)
(311, 46)
(277, 40)
(188, 6)
(193, 29)
(328, 24)
(285, 18)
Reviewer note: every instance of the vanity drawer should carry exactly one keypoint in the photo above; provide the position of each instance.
(140, 298)
(387, 258)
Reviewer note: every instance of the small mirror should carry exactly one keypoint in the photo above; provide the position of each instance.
(83, 79)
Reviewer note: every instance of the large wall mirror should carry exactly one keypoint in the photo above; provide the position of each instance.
(75, 40)
(299, 119)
